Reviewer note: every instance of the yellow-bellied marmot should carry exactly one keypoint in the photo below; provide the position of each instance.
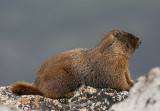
(104, 66)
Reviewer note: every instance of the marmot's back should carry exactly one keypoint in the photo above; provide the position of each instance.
(71, 58)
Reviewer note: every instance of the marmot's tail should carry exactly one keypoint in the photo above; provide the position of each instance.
(22, 88)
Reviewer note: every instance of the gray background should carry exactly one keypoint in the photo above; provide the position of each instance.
(33, 30)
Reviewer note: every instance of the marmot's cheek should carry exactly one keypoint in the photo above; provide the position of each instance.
(127, 45)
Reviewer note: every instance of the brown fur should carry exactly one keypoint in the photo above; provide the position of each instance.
(104, 66)
(23, 88)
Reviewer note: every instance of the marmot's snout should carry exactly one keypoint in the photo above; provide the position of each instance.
(139, 42)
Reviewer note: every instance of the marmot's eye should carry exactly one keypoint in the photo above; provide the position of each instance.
(130, 36)
(117, 35)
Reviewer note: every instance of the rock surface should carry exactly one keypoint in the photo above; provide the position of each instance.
(85, 98)
(144, 96)
(9, 108)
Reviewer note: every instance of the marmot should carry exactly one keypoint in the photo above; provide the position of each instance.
(104, 66)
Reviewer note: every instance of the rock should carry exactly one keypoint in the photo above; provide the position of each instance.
(85, 98)
(144, 96)
(8, 108)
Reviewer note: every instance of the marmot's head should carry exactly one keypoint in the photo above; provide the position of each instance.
(121, 42)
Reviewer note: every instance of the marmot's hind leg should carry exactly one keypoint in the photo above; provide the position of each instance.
(57, 82)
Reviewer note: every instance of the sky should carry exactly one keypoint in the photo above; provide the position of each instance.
(31, 31)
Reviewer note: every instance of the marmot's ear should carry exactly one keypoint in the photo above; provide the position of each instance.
(117, 35)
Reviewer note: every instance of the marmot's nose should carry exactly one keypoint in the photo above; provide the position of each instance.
(140, 41)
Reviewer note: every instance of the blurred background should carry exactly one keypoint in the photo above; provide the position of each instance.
(33, 30)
